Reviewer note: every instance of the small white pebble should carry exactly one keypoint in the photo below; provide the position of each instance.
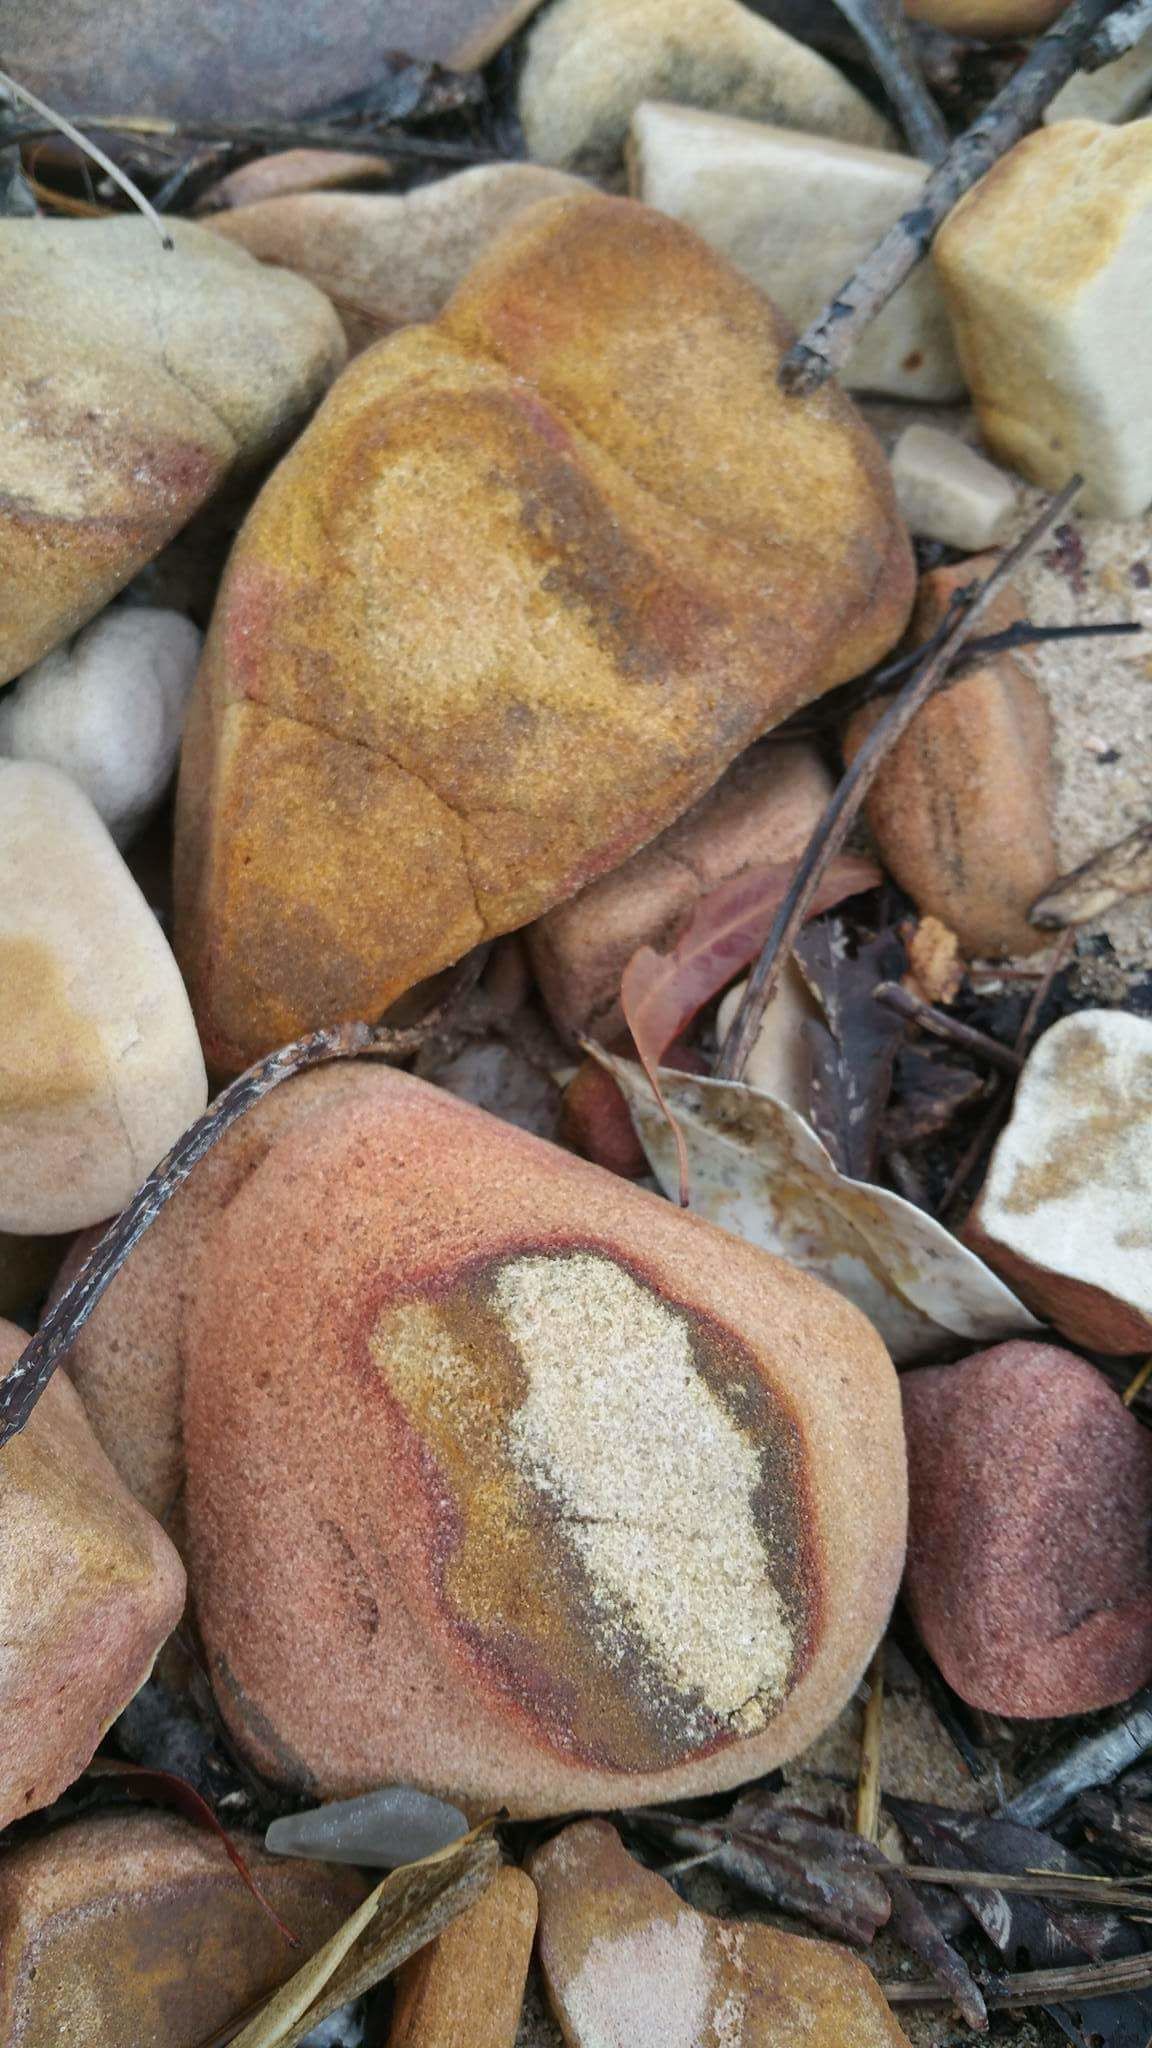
(947, 492)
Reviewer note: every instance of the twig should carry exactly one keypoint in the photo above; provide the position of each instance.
(1096, 1760)
(882, 27)
(65, 127)
(826, 345)
(261, 135)
(1039, 1987)
(871, 1747)
(837, 821)
(1089, 890)
(1137, 1383)
(1118, 35)
(941, 1025)
(1101, 1892)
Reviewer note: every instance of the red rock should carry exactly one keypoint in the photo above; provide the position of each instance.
(1030, 1524)
(595, 1120)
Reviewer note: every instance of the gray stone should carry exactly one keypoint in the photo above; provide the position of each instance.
(396, 1824)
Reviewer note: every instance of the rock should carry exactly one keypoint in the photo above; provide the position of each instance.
(1113, 93)
(1044, 266)
(780, 1062)
(387, 260)
(590, 63)
(763, 810)
(100, 1067)
(134, 380)
(796, 213)
(293, 170)
(1030, 1522)
(626, 1960)
(390, 1826)
(468, 1984)
(89, 1588)
(562, 456)
(992, 20)
(1063, 1213)
(596, 1122)
(948, 492)
(108, 709)
(483, 1462)
(134, 1929)
(961, 809)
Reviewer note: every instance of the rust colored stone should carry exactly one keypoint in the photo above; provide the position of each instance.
(467, 1986)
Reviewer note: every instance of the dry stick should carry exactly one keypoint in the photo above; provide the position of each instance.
(1104, 1894)
(1096, 1760)
(1137, 1383)
(1038, 1987)
(941, 1025)
(826, 345)
(58, 122)
(871, 1742)
(1125, 29)
(882, 27)
(260, 135)
(857, 780)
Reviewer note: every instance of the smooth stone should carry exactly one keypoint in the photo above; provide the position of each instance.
(590, 63)
(288, 171)
(991, 20)
(780, 1063)
(108, 710)
(1030, 1525)
(388, 260)
(595, 1121)
(89, 1588)
(1113, 93)
(133, 1930)
(100, 1065)
(626, 1960)
(434, 644)
(466, 1988)
(1047, 270)
(948, 492)
(395, 1825)
(1063, 1212)
(796, 213)
(961, 808)
(502, 1416)
(134, 380)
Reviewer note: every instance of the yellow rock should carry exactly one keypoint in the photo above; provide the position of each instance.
(993, 20)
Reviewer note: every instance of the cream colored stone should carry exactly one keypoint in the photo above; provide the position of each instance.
(100, 1066)
(1047, 272)
(949, 492)
(779, 1063)
(591, 62)
(1114, 93)
(796, 213)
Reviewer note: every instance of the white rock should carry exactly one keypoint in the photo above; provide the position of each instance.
(591, 62)
(796, 213)
(108, 708)
(100, 1065)
(780, 1063)
(946, 491)
(1114, 93)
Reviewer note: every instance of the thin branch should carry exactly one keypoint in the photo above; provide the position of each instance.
(264, 135)
(882, 27)
(65, 127)
(837, 821)
(1103, 1893)
(871, 1748)
(1096, 1760)
(825, 346)
(1098, 884)
(941, 1025)
(1137, 1383)
(1039, 1987)
(1119, 34)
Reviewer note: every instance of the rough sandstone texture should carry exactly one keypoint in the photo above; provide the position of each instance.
(568, 1497)
(89, 1588)
(134, 1931)
(528, 583)
(1029, 1527)
(949, 492)
(467, 1986)
(961, 809)
(134, 380)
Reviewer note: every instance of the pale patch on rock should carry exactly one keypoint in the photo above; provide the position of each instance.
(666, 1959)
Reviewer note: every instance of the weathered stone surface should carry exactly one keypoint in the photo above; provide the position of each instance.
(961, 809)
(626, 1960)
(134, 378)
(1064, 1211)
(531, 579)
(89, 1588)
(386, 260)
(1029, 1535)
(134, 1931)
(1047, 269)
(796, 213)
(468, 1984)
(948, 492)
(591, 62)
(564, 1496)
(993, 20)
(100, 1066)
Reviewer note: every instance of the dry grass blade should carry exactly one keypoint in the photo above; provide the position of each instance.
(1038, 1987)
(66, 127)
(871, 1746)
(1137, 1383)
(1105, 1894)
(1089, 890)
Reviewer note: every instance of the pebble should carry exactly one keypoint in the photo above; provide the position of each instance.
(100, 1066)
(947, 491)
(796, 213)
(108, 710)
(590, 63)
(1047, 268)
(395, 1824)
(1030, 1525)
(780, 1062)
(288, 171)
(89, 1588)
(991, 20)
(467, 1986)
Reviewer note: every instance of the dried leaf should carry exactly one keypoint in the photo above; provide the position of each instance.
(1090, 890)
(930, 1093)
(760, 1172)
(854, 1048)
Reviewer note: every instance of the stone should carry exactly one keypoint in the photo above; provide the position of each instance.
(387, 260)
(288, 171)
(1115, 92)
(565, 1496)
(961, 808)
(1064, 1210)
(107, 709)
(89, 1588)
(949, 492)
(992, 20)
(590, 63)
(780, 1062)
(595, 1121)
(762, 811)
(468, 1984)
(796, 213)
(133, 1930)
(1029, 1533)
(395, 1824)
(100, 1066)
(511, 604)
(626, 1960)
(1046, 266)
(135, 380)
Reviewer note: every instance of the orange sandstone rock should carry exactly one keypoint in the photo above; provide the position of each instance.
(468, 1984)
